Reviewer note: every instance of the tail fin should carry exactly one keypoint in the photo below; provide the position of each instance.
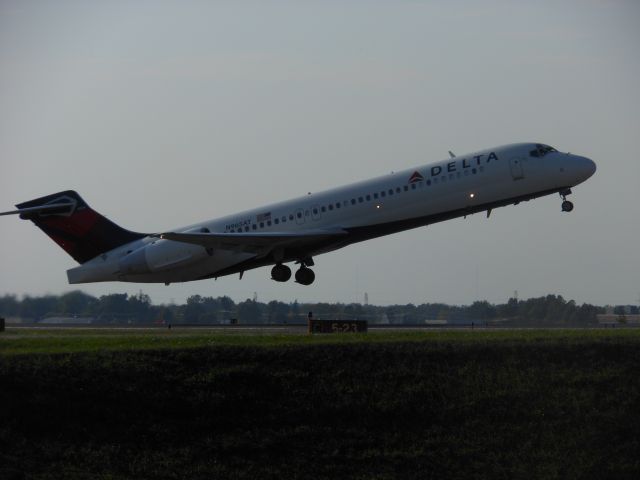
(82, 232)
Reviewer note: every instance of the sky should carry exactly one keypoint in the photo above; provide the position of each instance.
(165, 113)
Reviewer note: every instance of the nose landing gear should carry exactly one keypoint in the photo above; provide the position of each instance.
(567, 206)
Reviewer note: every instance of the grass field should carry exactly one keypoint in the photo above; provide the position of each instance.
(203, 404)
(18, 341)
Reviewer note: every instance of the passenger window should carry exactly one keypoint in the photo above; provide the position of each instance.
(337, 205)
(382, 194)
(290, 217)
(391, 191)
(261, 224)
(254, 226)
(413, 186)
(353, 201)
(398, 190)
(323, 209)
(375, 195)
(299, 214)
(246, 229)
(360, 199)
(368, 198)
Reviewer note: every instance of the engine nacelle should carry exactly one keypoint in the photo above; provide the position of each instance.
(159, 256)
(135, 262)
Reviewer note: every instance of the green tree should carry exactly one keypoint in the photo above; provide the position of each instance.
(294, 312)
(481, 310)
(193, 309)
(166, 315)
(277, 312)
(139, 308)
(509, 310)
(249, 311)
(36, 308)
(9, 306)
(113, 308)
(76, 303)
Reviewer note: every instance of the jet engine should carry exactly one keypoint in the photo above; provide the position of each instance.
(160, 255)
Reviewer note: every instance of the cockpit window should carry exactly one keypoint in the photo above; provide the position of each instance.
(541, 150)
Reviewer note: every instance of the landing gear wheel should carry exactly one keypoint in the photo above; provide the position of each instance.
(567, 206)
(305, 276)
(280, 273)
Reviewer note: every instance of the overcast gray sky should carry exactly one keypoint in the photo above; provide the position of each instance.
(161, 114)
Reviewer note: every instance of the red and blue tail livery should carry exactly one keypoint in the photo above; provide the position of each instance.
(81, 231)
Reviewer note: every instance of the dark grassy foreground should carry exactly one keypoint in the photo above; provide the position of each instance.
(459, 405)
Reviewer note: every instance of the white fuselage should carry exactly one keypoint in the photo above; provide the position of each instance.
(406, 199)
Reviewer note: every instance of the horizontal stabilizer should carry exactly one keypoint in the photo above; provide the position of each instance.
(57, 208)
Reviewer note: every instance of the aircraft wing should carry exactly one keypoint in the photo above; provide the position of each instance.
(259, 243)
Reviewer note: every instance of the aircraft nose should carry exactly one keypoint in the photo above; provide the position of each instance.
(587, 166)
(577, 168)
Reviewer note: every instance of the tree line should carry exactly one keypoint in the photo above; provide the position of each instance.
(121, 308)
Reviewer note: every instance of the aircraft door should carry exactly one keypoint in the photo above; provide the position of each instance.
(300, 216)
(515, 164)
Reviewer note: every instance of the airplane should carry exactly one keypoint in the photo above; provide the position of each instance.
(303, 228)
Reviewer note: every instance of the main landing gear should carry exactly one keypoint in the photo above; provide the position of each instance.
(304, 275)
(567, 206)
(280, 273)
